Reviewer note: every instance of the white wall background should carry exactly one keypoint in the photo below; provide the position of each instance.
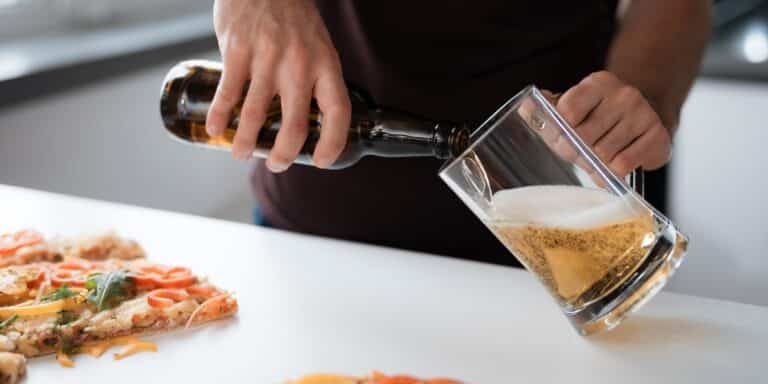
(104, 141)
(720, 191)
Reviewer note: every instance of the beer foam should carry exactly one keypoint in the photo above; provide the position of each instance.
(563, 206)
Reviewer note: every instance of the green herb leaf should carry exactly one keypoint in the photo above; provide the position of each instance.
(91, 282)
(66, 317)
(108, 290)
(62, 293)
(8, 321)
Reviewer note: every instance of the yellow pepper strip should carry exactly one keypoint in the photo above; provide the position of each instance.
(41, 309)
(96, 349)
(64, 360)
(140, 346)
(124, 340)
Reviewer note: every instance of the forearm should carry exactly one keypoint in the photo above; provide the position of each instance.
(658, 50)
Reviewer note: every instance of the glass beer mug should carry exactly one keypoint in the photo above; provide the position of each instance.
(594, 243)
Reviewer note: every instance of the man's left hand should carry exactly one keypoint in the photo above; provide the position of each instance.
(618, 122)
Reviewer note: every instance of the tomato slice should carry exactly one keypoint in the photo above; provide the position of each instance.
(197, 290)
(158, 276)
(399, 380)
(380, 378)
(73, 273)
(72, 279)
(39, 278)
(78, 265)
(11, 242)
(162, 298)
(176, 282)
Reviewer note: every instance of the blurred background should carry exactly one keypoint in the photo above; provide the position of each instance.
(79, 90)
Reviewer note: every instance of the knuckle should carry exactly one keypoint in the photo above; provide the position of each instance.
(268, 49)
(226, 95)
(217, 111)
(630, 95)
(299, 75)
(296, 76)
(637, 130)
(600, 77)
(329, 59)
(341, 108)
(590, 132)
(298, 54)
(600, 151)
(295, 127)
(579, 90)
(252, 113)
(625, 162)
(236, 45)
(568, 106)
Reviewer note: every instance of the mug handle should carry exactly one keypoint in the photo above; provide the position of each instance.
(637, 181)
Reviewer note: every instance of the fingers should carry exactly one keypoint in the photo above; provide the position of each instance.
(599, 122)
(229, 92)
(333, 100)
(618, 138)
(576, 103)
(617, 121)
(253, 114)
(650, 151)
(295, 103)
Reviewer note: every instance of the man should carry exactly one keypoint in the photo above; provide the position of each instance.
(623, 86)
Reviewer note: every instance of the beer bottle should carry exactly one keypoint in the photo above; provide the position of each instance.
(190, 86)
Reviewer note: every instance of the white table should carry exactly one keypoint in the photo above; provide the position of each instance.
(312, 304)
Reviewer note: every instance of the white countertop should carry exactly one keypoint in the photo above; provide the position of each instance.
(310, 304)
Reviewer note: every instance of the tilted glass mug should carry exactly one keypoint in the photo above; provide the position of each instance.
(597, 246)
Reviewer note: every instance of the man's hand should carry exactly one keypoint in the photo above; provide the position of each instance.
(283, 47)
(618, 122)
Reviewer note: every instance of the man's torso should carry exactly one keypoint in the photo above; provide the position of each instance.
(449, 60)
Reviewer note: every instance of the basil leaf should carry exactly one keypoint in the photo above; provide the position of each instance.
(62, 293)
(8, 321)
(109, 290)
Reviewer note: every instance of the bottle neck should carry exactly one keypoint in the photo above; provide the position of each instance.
(396, 134)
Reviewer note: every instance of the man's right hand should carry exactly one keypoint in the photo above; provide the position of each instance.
(283, 47)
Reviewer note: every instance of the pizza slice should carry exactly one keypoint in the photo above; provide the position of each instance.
(373, 378)
(84, 306)
(30, 246)
(103, 246)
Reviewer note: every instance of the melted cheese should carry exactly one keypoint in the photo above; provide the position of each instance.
(96, 349)
(64, 360)
(135, 347)
(131, 343)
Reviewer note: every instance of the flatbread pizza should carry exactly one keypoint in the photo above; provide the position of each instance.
(95, 294)
(30, 246)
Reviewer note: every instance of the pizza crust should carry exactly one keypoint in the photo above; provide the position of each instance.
(13, 366)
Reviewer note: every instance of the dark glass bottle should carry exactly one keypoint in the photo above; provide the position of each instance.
(190, 86)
